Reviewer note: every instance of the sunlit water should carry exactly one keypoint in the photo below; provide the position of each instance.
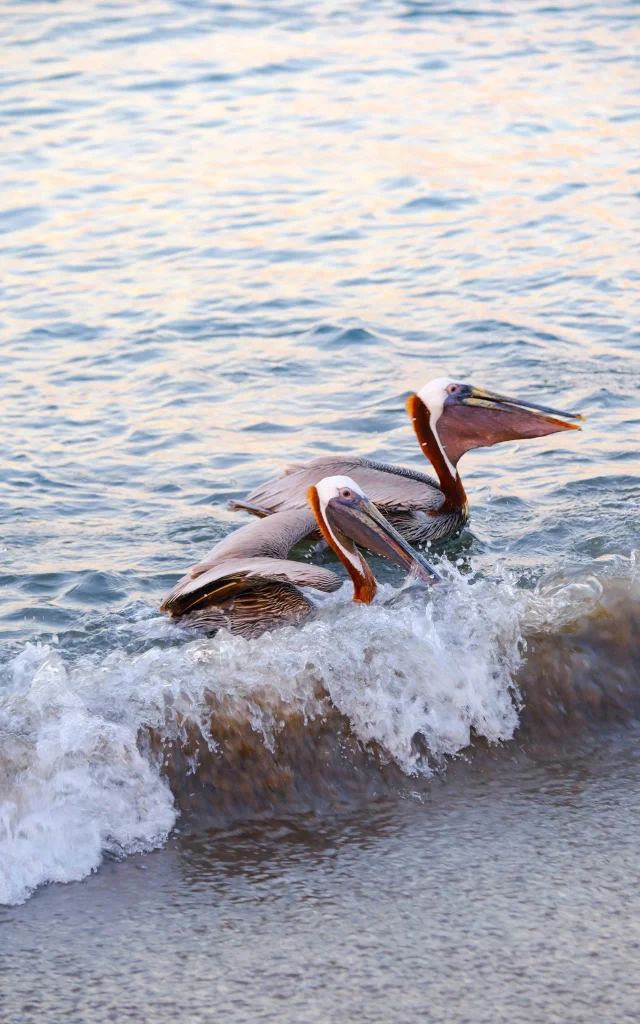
(236, 235)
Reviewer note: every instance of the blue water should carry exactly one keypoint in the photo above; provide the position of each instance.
(234, 235)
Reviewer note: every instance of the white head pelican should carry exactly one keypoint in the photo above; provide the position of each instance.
(449, 418)
(247, 584)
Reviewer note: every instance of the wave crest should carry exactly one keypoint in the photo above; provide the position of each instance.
(101, 755)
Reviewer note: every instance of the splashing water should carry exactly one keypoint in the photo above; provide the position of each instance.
(76, 784)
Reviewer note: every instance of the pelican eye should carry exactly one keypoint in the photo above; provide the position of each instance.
(346, 493)
(454, 389)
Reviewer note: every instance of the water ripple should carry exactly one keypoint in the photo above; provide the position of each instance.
(234, 235)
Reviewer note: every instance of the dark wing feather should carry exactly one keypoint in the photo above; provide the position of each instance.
(226, 580)
(252, 612)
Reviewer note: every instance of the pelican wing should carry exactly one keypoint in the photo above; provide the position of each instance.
(227, 580)
(251, 613)
(271, 537)
(389, 487)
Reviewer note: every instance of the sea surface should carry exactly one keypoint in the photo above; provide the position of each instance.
(238, 234)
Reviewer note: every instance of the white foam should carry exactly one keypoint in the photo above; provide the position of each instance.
(74, 784)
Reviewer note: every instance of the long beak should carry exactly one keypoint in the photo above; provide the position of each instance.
(489, 400)
(365, 525)
(474, 418)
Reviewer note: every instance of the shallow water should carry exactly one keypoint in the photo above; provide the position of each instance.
(236, 235)
(501, 898)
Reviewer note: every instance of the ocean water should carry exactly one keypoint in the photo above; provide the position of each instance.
(234, 235)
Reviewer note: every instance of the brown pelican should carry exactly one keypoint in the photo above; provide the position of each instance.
(247, 584)
(449, 418)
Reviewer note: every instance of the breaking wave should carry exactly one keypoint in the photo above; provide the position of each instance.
(101, 755)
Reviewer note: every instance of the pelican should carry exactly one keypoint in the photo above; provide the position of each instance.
(247, 584)
(449, 418)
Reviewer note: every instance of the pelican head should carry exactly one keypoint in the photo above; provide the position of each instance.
(347, 518)
(460, 416)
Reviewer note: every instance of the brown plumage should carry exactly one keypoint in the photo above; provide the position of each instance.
(247, 584)
(449, 419)
(407, 498)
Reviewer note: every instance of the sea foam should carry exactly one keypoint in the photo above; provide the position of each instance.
(415, 673)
